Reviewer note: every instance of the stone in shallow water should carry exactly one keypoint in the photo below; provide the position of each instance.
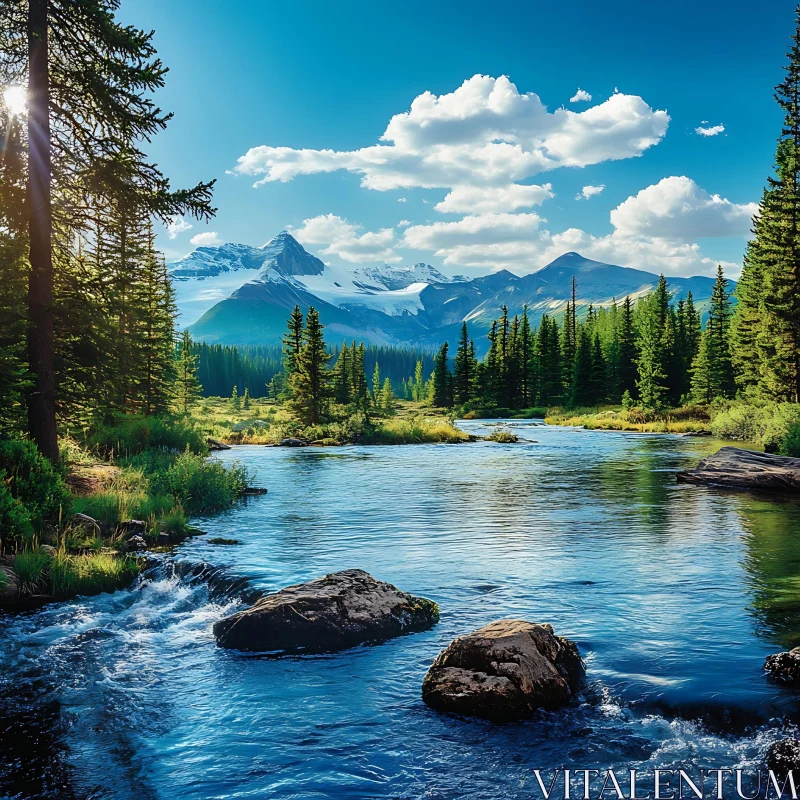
(735, 468)
(784, 667)
(784, 755)
(504, 671)
(341, 610)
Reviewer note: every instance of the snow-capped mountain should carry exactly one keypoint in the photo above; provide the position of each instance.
(237, 294)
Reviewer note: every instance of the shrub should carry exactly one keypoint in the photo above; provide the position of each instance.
(130, 435)
(504, 437)
(741, 423)
(175, 522)
(33, 481)
(790, 445)
(199, 485)
(30, 567)
(415, 431)
(15, 520)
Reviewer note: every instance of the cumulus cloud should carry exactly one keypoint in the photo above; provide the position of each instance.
(493, 199)
(342, 238)
(177, 225)
(404, 223)
(206, 239)
(677, 209)
(711, 130)
(484, 134)
(589, 191)
(656, 229)
(581, 97)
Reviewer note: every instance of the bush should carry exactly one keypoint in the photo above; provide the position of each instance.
(131, 435)
(415, 431)
(775, 426)
(15, 520)
(504, 437)
(175, 522)
(199, 485)
(741, 423)
(35, 483)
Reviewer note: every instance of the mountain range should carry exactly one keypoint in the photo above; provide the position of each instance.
(238, 294)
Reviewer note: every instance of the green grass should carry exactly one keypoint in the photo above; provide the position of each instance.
(30, 567)
(415, 431)
(175, 522)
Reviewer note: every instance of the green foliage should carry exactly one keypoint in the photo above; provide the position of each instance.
(126, 436)
(38, 494)
(30, 567)
(175, 522)
(69, 576)
(503, 437)
(187, 386)
(309, 381)
(200, 486)
(15, 519)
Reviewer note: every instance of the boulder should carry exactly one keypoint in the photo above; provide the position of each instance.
(293, 442)
(48, 550)
(341, 610)
(135, 543)
(504, 671)
(735, 468)
(784, 667)
(132, 527)
(215, 444)
(784, 755)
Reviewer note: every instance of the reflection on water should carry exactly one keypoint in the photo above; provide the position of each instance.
(675, 594)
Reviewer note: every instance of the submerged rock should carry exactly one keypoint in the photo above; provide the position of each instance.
(215, 444)
(784, 755)
(746, 469)
(504, 671)
(341, 610)
(784, 667)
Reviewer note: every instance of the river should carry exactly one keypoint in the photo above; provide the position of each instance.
(674, 594)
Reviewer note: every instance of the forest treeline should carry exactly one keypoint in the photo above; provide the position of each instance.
(255, 367)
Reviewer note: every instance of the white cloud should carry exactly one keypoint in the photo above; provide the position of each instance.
(581, 97)
(713, 130)
(487, 199)
(206, 239)
(656, 229)
(404, 223)
(177, 225)
(589, 191)
(484, 134)
(677, 209)
(401, 199)
(341, 238)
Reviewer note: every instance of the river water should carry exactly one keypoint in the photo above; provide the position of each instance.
(674, 594)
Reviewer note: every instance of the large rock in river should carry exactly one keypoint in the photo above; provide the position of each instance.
(341, 610)
(746, 469)
(784, 667)
(504, 671)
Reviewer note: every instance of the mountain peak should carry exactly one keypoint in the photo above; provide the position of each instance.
(285, 254)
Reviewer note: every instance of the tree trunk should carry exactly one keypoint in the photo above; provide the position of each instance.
(41, 404)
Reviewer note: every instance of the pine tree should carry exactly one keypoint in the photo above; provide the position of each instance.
(582, 370)
(235, 401)
(188, 388)
(85, 124)
(627, 350)
(360, 390)
(246, 399)
(718, 328)
(387, 398)
(418, 383)
(598, 380)
(527, 361)
(310, 381)
(342, 386)
(464, 377)
(702, 371)
(376, 386)
(441, 395)
(292, 342)
(651, 383)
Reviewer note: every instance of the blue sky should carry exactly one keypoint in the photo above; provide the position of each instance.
(322, 76)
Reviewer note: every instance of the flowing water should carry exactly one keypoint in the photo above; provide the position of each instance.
(674, 594)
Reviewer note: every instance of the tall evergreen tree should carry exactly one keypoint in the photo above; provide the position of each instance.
(441, 396)
(464, 377)
(341, 378)
(718, 328)
(188, 388)
(292, 342)
(627, 350)
(310, 382)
